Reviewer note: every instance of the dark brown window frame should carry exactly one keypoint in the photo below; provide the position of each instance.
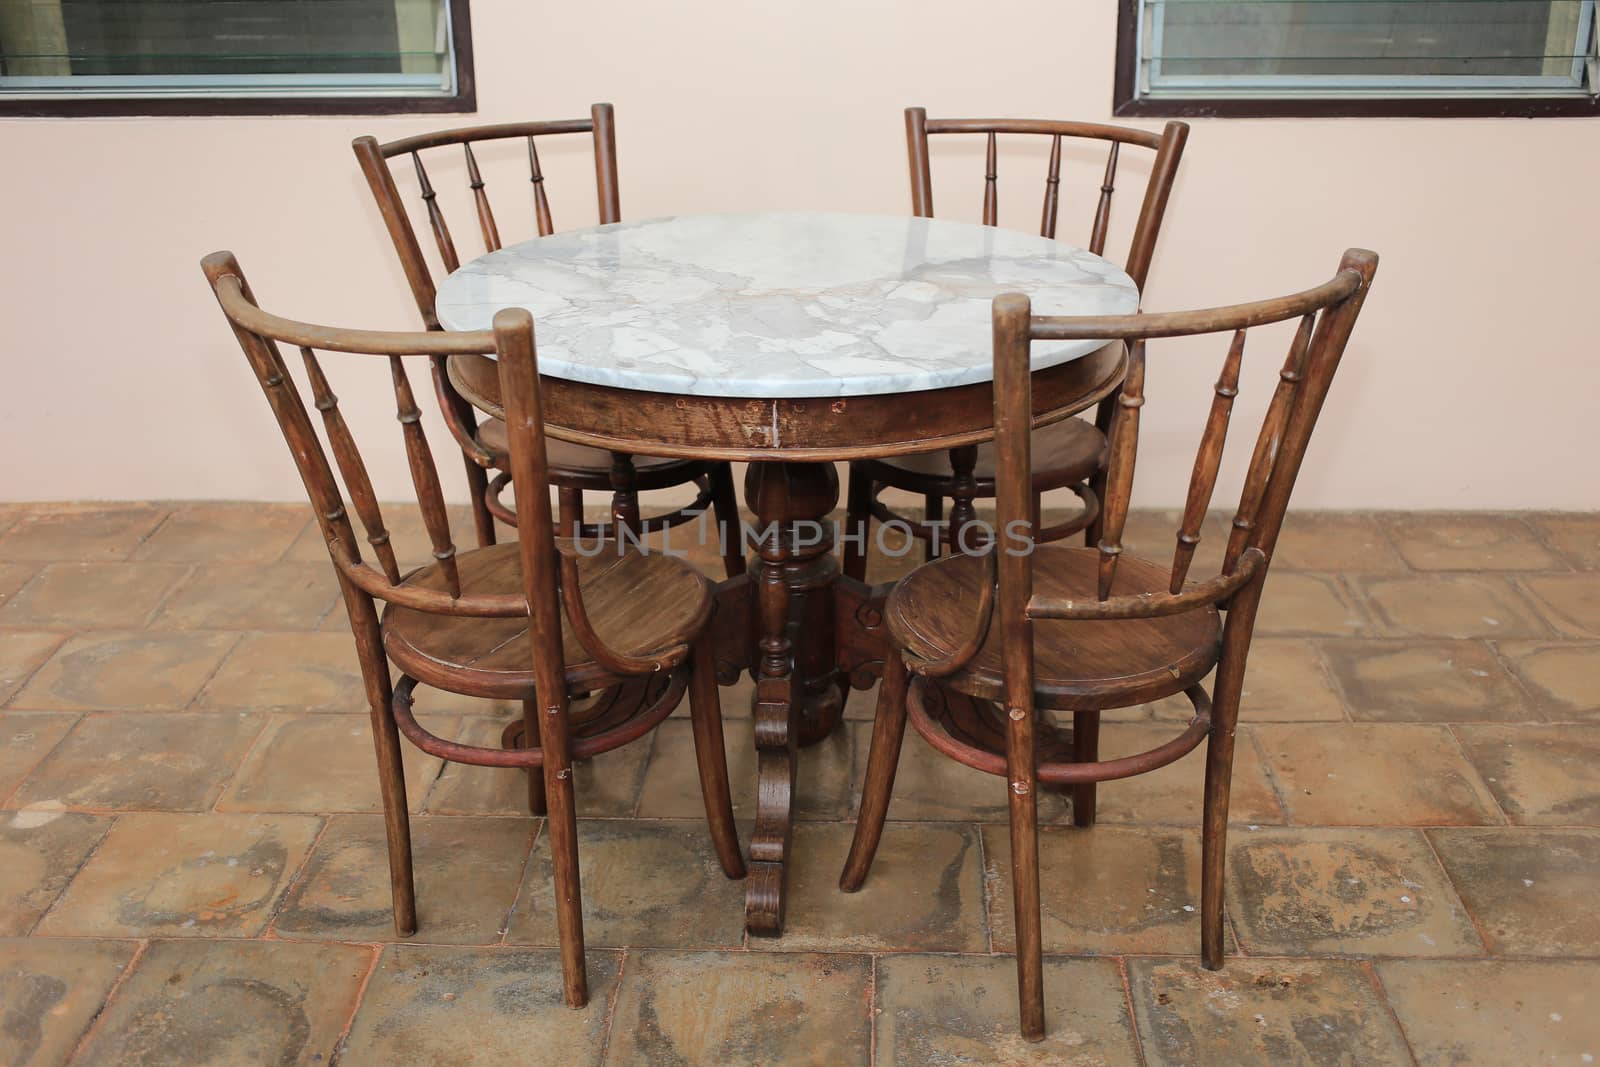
(465, 98)
(1126, 101)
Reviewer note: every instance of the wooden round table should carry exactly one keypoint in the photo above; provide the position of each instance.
(791, 341)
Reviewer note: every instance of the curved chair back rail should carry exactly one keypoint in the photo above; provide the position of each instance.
(1167, 145)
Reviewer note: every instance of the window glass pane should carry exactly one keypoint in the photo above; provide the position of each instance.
(133, 44)
(1361, 37)
(1373, 42)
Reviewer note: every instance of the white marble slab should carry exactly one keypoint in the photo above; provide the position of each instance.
(780, 304)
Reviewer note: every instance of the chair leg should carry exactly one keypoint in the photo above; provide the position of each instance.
(569, 512)
(1025, 902)
(1214, 843)
(478, 492)
(1226, 690)
(888, 731)
(530, 734)
(857, 524)
(386, 741)
(932, 512)
(1085, 749)
(1097, 482)
(561, 824)
(624, 494)
(705, 712)
(963, 489)
(725, 506)
(396, 818)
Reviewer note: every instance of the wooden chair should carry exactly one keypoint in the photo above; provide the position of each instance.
(985, 642)
(1069, 454)
(573, 468)
(533, 621)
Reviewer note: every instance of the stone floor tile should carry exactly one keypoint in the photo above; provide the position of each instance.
(1109, 889)
(929, 785)
(606, 786)
(292, 671)
(1530, 890)
(1492, 1012)
(1335, 541)
(251, 596)
(963, 1009)
(153, 762)
(1309, 892)
(92, 596)
(40, 851)
(430, 701)
(1562, 676)
(672, 784)
(1451, 605)
(645, 883)
(1468, 542)
(139, 671)
(1540, 774)
(80, 532)
(466, 872)
(226, 533)
(1152, 534)
(1425, 681)
(166, 875)
(1309, 604)
(326, 763)
(407, 534)
(195, 1002)
(924, 894)
(1286, 681)
(1576, 536)
(21, 653)
(809, 1010)
(1175, 793)
(14, 576)
(1569, 602)
(26, 737)
(735, 700)
(50, 991)
(1262, 1011)
(479, 1007)
(1369, 774)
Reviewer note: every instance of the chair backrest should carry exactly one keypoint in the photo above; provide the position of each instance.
(1326, 316)
(1167, 145)
(260, 334)
(375, 164)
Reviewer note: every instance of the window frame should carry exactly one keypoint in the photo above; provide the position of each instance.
(464, 99)
(1127, 102)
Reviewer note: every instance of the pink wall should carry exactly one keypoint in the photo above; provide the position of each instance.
(1471, 382)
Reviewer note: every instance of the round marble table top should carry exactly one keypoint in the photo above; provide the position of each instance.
(792, 304)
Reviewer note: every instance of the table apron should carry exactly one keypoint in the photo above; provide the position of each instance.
(800, 429)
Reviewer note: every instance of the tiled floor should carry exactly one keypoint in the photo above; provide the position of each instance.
(192, 868)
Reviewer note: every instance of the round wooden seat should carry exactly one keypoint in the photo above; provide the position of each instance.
(1077, 664)
(566, 456)
(638, 603)
(1064, 452)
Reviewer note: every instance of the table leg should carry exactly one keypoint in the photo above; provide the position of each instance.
(798, 700)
